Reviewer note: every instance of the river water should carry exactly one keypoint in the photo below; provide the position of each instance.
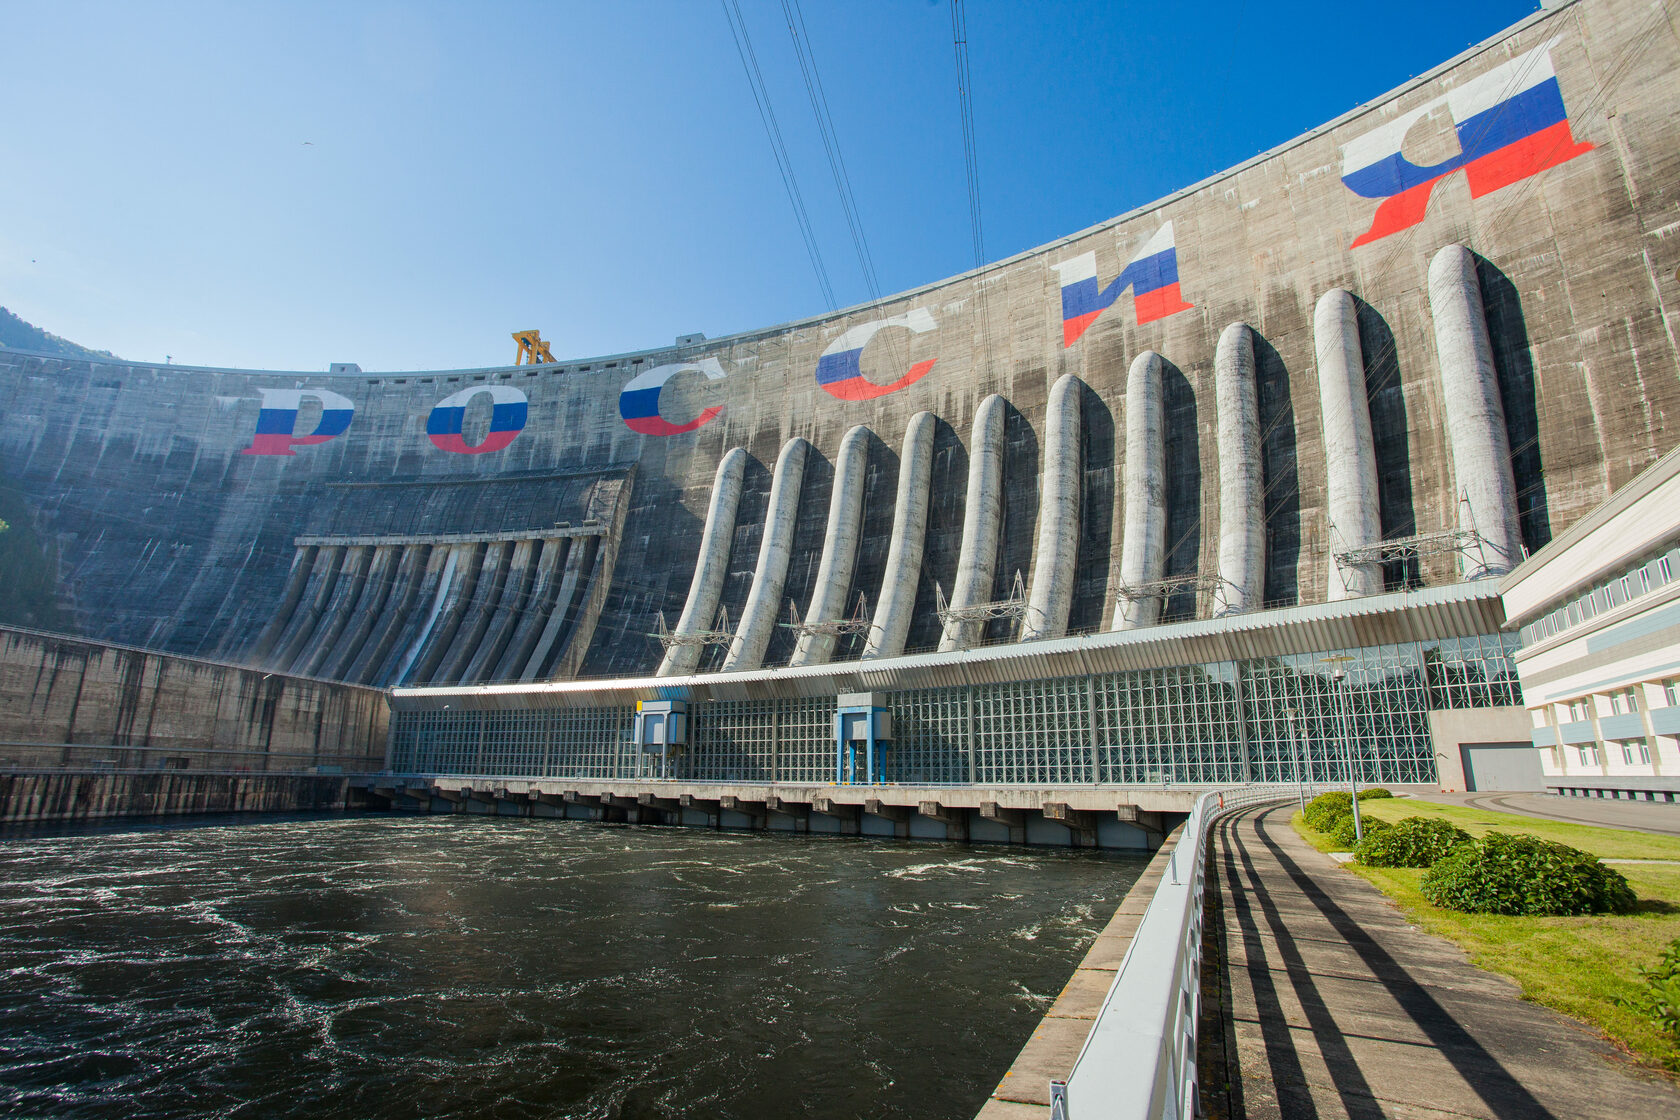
(390, 967)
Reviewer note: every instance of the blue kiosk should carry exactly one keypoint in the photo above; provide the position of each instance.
(863, 730)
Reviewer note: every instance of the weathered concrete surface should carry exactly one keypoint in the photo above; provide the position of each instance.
(167, 535)
(70, 703)
(1335, 1006)
(1049, 1054)
(81, 795)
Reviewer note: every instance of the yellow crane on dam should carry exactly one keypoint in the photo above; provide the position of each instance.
(532, 349)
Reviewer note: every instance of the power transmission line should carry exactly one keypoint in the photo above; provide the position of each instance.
(773, 130)
(965, 106)
(801, 36)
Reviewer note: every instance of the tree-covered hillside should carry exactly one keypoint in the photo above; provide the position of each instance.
(16, 334)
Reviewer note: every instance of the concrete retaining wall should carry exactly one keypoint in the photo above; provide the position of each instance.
(71, 704)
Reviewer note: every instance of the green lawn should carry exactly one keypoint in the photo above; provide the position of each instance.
(1579, 966)
(1605, 843)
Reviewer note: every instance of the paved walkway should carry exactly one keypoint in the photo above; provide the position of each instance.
(1605, 812)
(1333, 1006)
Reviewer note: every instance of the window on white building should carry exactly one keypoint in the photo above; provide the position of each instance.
(1623, 701)
(1578, 710)
(1671, 692)
(1589, 754)
(1634, 751)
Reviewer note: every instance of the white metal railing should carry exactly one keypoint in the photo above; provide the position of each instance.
(1139, 1061)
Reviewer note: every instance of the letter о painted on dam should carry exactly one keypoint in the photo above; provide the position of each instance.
(638, 402)
(508, 411)
(1152, 274)
(840, 370)
(1510, 123)
(277, 418)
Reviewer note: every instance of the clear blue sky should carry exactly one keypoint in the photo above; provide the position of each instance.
(281, 185)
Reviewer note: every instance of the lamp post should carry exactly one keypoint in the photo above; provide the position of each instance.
(1340, 677)
(1295, 749)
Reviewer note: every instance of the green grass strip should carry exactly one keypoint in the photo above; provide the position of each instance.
(1578, 966)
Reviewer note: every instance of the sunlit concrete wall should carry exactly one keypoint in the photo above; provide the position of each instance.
(1550, 152)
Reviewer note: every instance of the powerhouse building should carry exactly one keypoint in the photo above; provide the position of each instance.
(1217, 490)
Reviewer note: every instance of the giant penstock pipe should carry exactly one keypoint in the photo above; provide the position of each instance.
(1143, 553)
(775, 549)
(1350, 457)
(840, 548)
(1050, 598)
(891, 625)
(1481, 446)
(982, 524)
(1242, 521)
(706, 589)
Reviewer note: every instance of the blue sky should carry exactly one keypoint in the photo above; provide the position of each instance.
(403, 184)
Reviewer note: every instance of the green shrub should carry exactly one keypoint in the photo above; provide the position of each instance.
(1412, 842)
(1344, 837)
(1659, 1001)
(1326, 811)
(1519, 874)
(1375, 793)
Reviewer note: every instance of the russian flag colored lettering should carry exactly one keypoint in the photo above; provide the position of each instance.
(638, 403)
(277, 418)
(508, 411)
(840, 368)
(1510, 124)
(1152, 274)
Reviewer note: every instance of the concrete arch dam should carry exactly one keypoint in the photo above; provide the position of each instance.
(1330, 373)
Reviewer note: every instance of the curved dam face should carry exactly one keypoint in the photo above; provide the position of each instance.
(1455, 339)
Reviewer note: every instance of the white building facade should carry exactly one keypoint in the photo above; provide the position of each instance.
(1599, 616)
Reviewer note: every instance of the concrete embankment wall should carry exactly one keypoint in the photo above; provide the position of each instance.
(89, 730)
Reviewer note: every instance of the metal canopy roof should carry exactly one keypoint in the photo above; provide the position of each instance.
(1430, 614)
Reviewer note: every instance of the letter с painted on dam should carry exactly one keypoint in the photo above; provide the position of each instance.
(533, 522)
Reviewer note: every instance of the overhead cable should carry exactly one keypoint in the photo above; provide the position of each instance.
(773, 130)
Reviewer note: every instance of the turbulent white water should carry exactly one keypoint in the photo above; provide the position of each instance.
(377, 967)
